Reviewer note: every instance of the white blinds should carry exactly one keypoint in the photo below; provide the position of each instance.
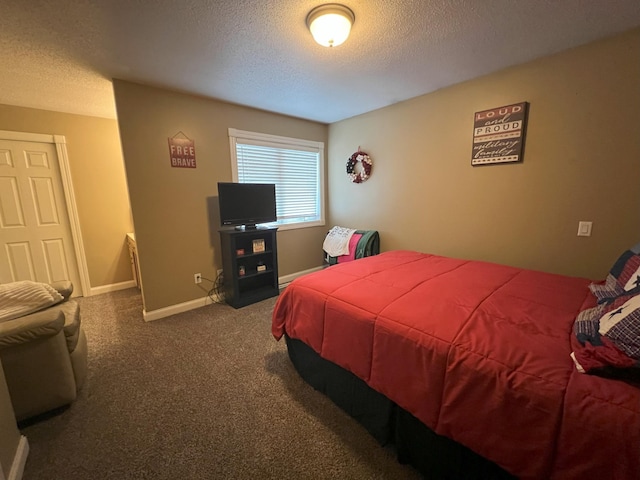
(295, 170)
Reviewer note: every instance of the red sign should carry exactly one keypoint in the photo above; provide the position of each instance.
(182, 152)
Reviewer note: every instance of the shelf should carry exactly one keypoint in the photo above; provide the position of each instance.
(255, 295)
(254, 274)
(247, 255)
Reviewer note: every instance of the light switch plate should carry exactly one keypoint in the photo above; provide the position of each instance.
(584, 229)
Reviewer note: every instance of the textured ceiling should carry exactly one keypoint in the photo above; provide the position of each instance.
(62, 54)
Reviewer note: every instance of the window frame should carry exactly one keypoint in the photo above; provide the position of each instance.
(285, 142)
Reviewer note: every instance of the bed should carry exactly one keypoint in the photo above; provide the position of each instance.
(470, 360)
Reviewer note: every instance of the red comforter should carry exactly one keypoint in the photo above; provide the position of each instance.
(479, 352)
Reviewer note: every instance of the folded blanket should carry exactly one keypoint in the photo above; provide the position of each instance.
(25, 297)
(336, 242)
(353, 248)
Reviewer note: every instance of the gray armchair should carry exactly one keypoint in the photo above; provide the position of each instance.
(44, 356)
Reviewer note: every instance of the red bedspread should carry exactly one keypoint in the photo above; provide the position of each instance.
(478, 352)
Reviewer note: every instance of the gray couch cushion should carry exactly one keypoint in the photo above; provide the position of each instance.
(64, 288)
(43, 324)
(71, 311)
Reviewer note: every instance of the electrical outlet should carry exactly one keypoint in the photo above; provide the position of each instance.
(219, 272)
(197, 278)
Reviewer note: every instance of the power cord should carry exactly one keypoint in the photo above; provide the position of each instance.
(216, 293)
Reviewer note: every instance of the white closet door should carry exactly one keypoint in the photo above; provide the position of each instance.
(35, 233)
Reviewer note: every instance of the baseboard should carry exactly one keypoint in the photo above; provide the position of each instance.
(20, 459)
(152, 315)
(291, 277)
(114, 287)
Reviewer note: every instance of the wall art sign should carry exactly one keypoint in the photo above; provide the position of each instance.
(498, 134)
(182, 151)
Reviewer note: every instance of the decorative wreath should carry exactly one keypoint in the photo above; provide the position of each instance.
(366, 163)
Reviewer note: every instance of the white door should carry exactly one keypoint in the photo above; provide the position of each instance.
(35, 233)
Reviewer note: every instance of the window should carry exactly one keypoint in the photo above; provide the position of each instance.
(295, 166)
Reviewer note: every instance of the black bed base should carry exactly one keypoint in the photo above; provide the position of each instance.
(434, 456)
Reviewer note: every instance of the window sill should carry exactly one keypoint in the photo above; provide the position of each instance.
(296, 226)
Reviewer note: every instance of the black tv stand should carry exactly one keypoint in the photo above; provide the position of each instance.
(250, 273)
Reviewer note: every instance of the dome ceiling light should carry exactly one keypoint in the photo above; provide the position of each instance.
(330, 24)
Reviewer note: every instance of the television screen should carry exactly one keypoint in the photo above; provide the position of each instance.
(246, 203)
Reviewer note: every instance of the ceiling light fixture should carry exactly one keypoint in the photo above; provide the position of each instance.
(330, 24)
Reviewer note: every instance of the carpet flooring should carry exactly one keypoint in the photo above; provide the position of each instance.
(206, 394)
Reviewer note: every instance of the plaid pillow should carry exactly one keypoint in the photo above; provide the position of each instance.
(623, 278)
(587, 325)
(609, 335)
(627, 271)
(621, 324)
(608, 290)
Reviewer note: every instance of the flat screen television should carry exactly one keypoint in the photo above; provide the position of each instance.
(244, 205)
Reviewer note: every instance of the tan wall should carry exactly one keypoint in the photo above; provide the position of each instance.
(97, 170)
(175, 209)
(581, 162)
(9, 434)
